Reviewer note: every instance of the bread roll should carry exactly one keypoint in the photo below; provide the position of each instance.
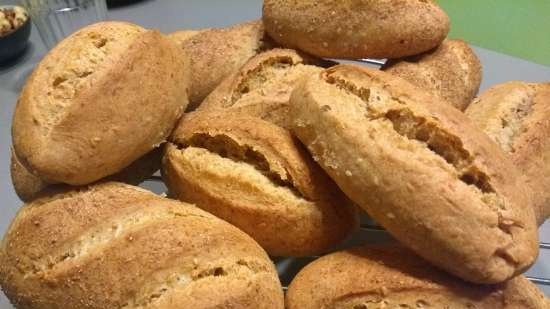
(117, 246)
(452, 72)
(98, 101)
(263, 85)
(29, 186)
(393, 277)
(356, 29)
(516, 115)
(218, 53)
(421, 169)
(254, 175)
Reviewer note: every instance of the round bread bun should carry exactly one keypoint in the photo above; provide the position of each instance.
(356, 29)
(103, 97)
(112, 245)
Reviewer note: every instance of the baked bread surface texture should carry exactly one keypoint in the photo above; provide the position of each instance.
(116, 246)
(451, 71)
(256, 176)
(98, 101)
(394, 277)
(262, 87)
(516, 115)
(218, 53)
(421, 169)
(356, 29)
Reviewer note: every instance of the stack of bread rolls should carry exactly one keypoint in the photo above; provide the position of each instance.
(269, 149)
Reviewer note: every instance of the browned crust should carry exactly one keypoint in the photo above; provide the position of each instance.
(452, 72)
(356, 29)
(116, 246)
(420, 169)
(218, 53)
(395, 277)
(262, 87)
(264, 183)
(516, 115)
(107, 81)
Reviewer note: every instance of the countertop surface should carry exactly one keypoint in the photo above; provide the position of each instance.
(171, 15)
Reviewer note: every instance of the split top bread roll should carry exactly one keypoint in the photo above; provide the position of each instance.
(254, 175)
(452, 72)
(262, 87)
(218, 53)
(516, 115)
(117, 246)
(356, 29)
(28, 186)
(393, 277)
(421, 169)
(98, 101)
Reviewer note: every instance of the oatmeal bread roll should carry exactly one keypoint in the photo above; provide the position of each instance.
(393, 277)
(421, 169)
(98, 101)
(254, 175)
(29, 186)
(516, 115)
(218, 53)
(262, 87)
(116, 246)
(452, 72)
(356, 29)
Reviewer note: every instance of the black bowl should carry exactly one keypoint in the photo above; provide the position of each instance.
(13, 44)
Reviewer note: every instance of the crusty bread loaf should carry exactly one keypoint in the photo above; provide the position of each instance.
(393, 277)
(254, 175)
(117, 246)
(218, 53)
(29, 186)
(516, 115)
(421, 169)
(262, 87)
(98, 101)
(356, 29)
(452, 71)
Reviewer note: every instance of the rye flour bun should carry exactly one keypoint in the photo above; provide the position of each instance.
(516, 115)
(102, 98)
(218, 53)
(393, 277)
(262, 87)
(356, 29)
(421, 169)
(256, 176)
(452, 72)
(116, 246)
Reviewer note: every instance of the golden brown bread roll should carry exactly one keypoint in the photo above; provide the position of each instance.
(263, 85)
(393, 277)
(117, 246)
(421, 169)
(452, 71)
(98, 101)
(356, 29)
(218, 53)
(516, 115)
(254, 175)
(29, 186)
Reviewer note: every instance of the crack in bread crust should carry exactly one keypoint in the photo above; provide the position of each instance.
(226, 147)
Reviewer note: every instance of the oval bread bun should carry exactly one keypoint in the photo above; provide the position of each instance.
(356, 29)
(98, 101)
(393, 277)
(116, 246)
(452, 72)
